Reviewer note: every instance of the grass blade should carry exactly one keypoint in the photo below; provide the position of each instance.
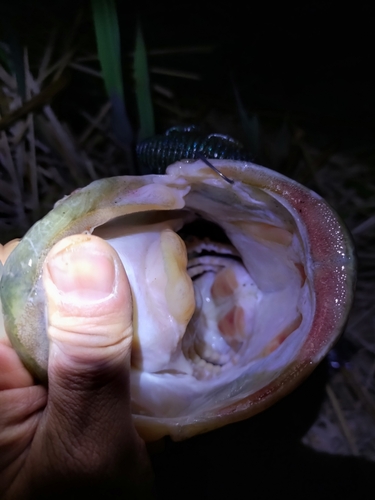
(142, 88)
(15, 61)
(109, 52)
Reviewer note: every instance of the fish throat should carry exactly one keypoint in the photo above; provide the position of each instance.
(225, 296)
(217, 287)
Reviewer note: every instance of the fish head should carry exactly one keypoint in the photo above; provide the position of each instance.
(239, 288)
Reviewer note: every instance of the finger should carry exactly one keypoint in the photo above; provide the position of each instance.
(6, 249)
(20, 412)
(89, 308)
(90, 332)
(13, 374)
(85, 432)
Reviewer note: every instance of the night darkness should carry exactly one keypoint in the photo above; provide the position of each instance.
(311, 61)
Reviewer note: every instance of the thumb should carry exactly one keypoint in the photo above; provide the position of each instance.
(89, 305)
(89, 328)
(87, 429)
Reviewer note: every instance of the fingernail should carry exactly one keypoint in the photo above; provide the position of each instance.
(83, 274)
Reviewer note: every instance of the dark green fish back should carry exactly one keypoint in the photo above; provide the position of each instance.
(179, 143)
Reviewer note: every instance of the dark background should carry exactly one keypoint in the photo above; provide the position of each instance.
(311, 61)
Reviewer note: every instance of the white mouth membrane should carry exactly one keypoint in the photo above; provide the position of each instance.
(213, 320)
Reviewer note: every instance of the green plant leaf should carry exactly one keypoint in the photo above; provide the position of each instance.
(142, 88)
(109, 52)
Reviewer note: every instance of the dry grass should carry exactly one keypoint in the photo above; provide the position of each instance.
(40, 158)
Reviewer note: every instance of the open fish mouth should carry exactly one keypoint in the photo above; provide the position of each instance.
(239, 289)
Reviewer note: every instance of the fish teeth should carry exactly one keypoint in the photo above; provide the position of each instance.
(197, 246)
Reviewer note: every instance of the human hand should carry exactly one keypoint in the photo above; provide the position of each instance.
(76, 437)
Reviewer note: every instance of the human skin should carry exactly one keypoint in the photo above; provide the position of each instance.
(76, 436)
